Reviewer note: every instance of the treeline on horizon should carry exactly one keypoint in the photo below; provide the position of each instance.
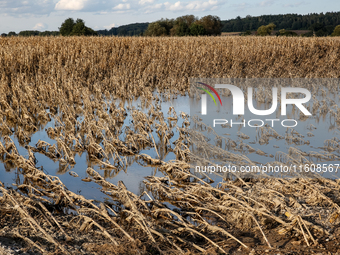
(319, 24)
(310, 21)
(181, 26)
(282, 21)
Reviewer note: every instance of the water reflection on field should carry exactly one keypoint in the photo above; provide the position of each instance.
(74, 175)
(315, 140)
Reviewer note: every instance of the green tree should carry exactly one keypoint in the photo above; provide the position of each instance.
(180, 29)
(266, 30)
(284, 32)
(211, 24)
(12, 33)
(167, 24)
(182, 25)
(262, 30)
(29, 33)
(78, 28)
(248, 32)
(155, 29)
(67, 27)
(197, 29)
(281, 32)
(320, 29)
(185, 25)
(49, 33)
(90, 31)
(282, 21)
(188, 19)
(336, 31)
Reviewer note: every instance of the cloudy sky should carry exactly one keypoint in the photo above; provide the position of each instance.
(18, 15)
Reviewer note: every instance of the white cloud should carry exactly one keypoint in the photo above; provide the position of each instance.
(110, 26)
(40, 26)
(22, 7)
(192, 6)
(122, 7)
(267, 3)
(70, 5)
(202, 5)
(295, 4)
(142, 2)
(242, 6)
(174, 7)
(157, 6)
(105, 7)
(153, 8)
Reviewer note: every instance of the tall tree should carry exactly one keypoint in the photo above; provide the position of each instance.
(66, 27)
(211, 24)
(197, 29)
(155, 29)
(180, 28)
(78, 28)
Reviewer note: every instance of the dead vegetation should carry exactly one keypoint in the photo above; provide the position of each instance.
(178, 212)
(82, 87)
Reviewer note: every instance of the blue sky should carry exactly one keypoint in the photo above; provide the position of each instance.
(18, 15)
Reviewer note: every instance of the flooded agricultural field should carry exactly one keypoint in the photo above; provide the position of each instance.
(293, 144)
(70, 167)
(102, 146)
